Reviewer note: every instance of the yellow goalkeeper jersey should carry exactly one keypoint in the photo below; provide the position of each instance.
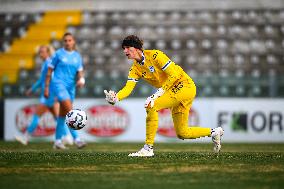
(156, 69)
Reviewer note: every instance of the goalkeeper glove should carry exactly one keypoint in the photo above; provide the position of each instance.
(151, 99)
(111, 97)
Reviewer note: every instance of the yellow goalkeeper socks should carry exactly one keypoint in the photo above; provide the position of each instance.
(151, 126)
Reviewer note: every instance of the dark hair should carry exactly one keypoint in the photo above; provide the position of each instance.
(132, 41)
(68, 33)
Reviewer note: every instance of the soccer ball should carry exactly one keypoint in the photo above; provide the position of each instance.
(76, 119)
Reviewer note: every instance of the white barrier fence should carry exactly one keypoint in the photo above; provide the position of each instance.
(244, 120)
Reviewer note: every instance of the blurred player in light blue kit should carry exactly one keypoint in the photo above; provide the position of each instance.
(67, 69)
(46, 104)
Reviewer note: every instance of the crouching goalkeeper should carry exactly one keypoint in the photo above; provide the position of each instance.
(176, 90)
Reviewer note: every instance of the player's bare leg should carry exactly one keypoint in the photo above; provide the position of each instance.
(24, 139)
(65, 107)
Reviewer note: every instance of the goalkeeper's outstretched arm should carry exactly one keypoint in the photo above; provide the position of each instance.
(126, 90)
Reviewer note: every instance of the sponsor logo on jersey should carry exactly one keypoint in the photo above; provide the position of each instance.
(151, 68)
(166, 125)
(107, 121)
(64, 59)
(45, 127)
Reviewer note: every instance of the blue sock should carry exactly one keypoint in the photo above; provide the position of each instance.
(33, 124)
(60, 128)
(73, 132)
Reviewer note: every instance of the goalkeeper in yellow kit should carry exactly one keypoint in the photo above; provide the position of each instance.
(176, 90)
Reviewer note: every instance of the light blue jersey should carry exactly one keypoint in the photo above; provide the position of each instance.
(65, 65)
(41, 83)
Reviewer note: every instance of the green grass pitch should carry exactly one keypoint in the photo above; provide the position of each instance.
(175, 165)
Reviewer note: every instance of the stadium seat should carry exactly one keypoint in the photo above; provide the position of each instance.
(7, 90)
(160, 44)
(116, 32)
(231, 44)
(130, 16)
(272, 59)
(83, 92)
(191, 59)
(20, 53)
(191, 44)
(240, 91)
